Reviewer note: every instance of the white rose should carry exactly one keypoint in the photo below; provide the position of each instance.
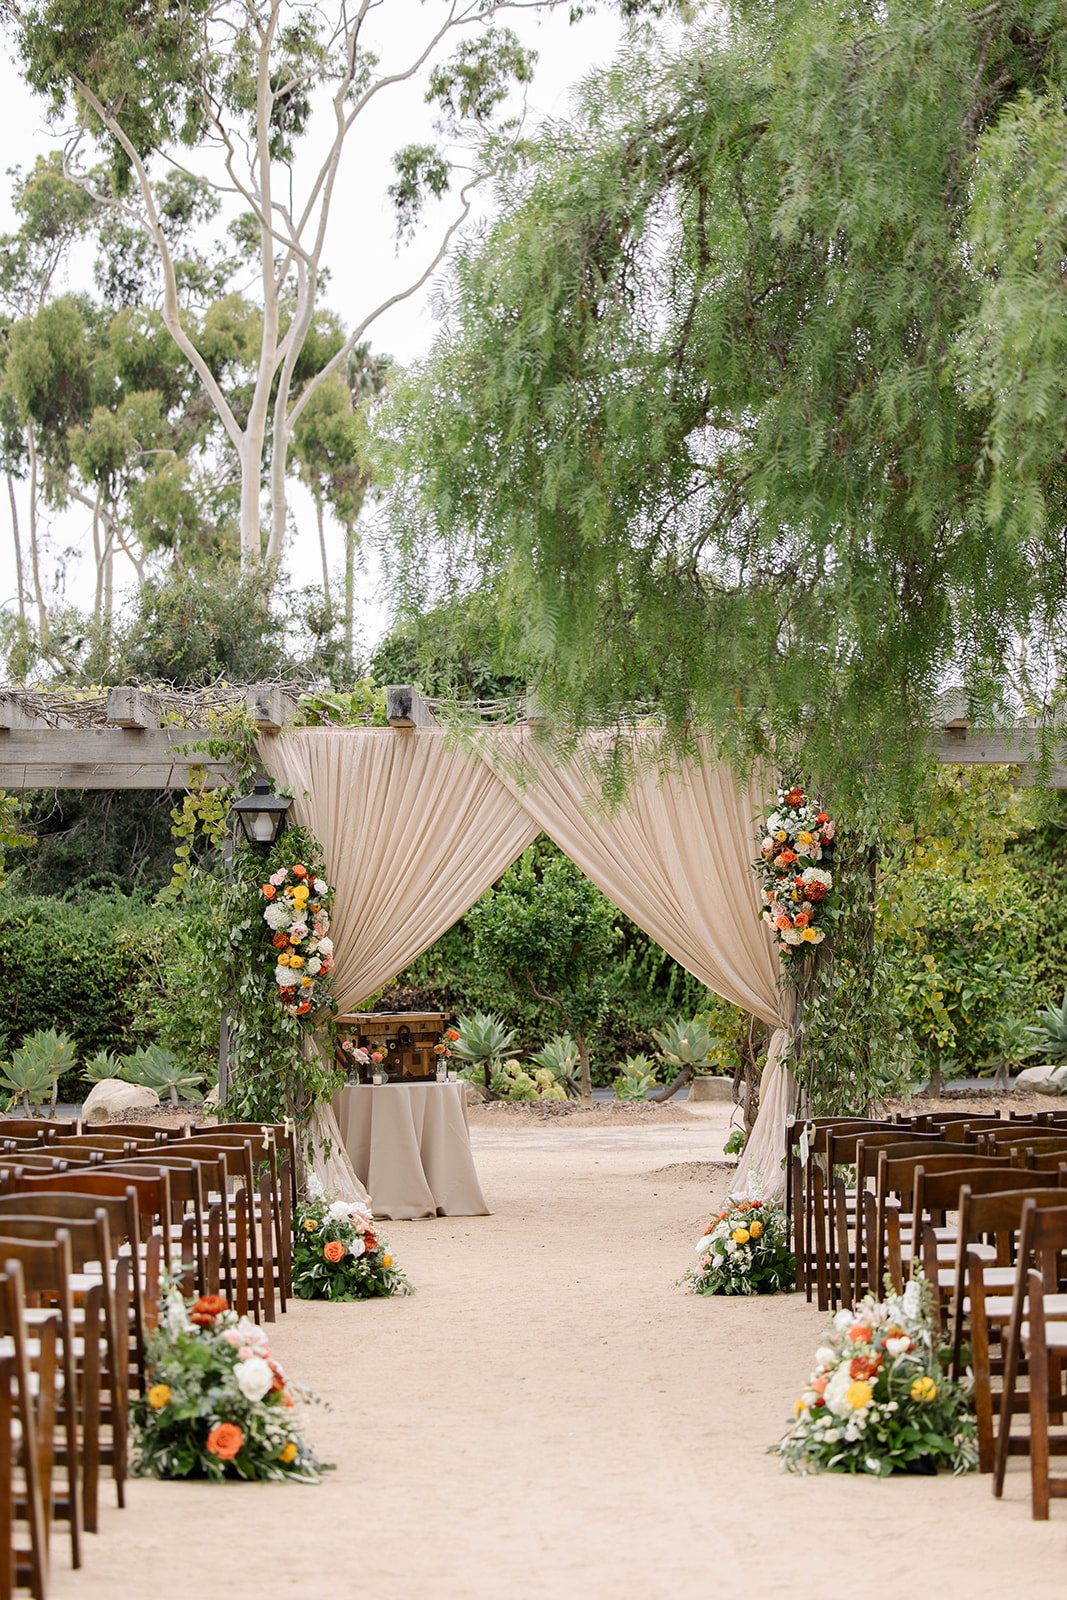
(314, 966)
(703, 1243)
(824, 1356)
(897, 1347)
(326, 946)
(320, 886)
(286, 978)
(843, 1320)
(339, 1211)
(253, 1377)
(357, 1248)
(793, 936)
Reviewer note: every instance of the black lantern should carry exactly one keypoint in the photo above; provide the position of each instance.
(261, 815)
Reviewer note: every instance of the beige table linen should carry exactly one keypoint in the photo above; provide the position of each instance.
(410, 1145)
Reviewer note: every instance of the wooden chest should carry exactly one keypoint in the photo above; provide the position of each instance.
(407, 1039)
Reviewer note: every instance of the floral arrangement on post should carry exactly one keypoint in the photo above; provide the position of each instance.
(217, 1405)
(880, 1399)
(338, 1253)
(744, 1250)
(797, 892)
(298, 916)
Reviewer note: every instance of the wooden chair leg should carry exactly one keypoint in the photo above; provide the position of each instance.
(7, 1484)
(983, 1387)
(90, 1377)
(1039, 1444)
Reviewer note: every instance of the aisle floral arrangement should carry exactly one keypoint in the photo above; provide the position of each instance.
(744, 1250)
(297, 914)
(217, 1404)
(797, 890)
(880, 1399)
(339, 1254)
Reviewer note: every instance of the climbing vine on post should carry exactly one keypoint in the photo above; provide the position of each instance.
(204, 810)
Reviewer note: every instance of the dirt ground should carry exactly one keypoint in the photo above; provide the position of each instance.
(551, 1417)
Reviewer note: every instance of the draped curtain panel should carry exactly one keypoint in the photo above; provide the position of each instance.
(415, 827)
(676, 857)
(414, 831)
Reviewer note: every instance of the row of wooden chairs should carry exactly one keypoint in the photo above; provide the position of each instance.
(89, 1222)
(981, 1205)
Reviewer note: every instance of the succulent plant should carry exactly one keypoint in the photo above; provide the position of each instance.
(637, 1076)
(36, 1067)
(153, 1067)
(559, 1056)
(105, 1064)
(483, 1040)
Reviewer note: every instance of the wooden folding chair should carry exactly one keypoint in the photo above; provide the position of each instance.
(46, 1272)
(1043, 1343)
(28, 1434)
(895, 1212)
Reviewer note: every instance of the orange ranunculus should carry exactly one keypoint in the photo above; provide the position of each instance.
(819, 1384)
(225, 1441)
(864, 1367)
(860, 1333)
(823, 817)
(300, 872)
(369, 1242)
(206, 1309)
(303, 1008)
(280, 941)
(795, 797)
(334, 1251)
(268, 891)
(452, 1033)
(783, 923)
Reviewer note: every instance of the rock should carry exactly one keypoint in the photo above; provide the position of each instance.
(712, 1089)
(211, 1100)
(111, 1099)
(1042, 1080)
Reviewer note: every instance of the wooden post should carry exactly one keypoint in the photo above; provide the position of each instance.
(405, 707)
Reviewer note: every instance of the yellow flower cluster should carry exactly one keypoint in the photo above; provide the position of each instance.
(924, 1391)
(158, 1396)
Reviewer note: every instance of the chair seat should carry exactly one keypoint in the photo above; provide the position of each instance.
(998, 1306)
(1055, 1335)
(995, 1277)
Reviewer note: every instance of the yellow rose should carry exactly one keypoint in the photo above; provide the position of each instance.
(808, 935)
(295, 961)
(803, 838)
(306, 982)
(287, 1453)
(781, 836)
(740, 1236)
(923, 1391)
(755, 1229)
(387, 1262)
(158, 1396)
(859, 1395)
(310, 1225)
(283, 959)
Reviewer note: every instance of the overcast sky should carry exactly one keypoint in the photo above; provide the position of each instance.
(361, 251)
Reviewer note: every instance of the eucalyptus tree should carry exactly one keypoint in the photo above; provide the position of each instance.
(753, 400)
(265, 97)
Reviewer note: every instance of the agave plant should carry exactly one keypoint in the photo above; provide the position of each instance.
(153, 1067)
(1052, 1031)
(483, 1040)
(560, 1057)
(636, 1078)
(685, 1042)
(36, 1067)
(105, 1064)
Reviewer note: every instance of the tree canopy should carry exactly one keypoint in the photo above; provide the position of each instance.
(752, 401)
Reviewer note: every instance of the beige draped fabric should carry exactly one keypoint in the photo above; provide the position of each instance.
(676, 856)
(414, 831)
(415, 827)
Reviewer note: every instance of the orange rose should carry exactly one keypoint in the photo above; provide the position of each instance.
(801, 919)
(268, 891)
(860, 1334)
(225, 1441)
(783, 923)
(787, 857)
(334, 1251)
(206, 1309)
(303, 1008)
(300, 872)
(823, 817)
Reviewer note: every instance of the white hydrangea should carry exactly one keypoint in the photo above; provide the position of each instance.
(819, 875)
(314, 966)
(276, 916)
(286, 978)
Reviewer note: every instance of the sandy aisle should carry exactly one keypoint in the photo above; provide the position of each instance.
(549, 1416)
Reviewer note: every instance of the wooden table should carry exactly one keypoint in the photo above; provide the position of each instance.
(410, 1144)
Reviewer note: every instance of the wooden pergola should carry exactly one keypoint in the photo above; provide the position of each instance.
(142, 738)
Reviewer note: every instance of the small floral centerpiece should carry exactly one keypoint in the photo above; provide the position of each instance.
(794, 871)
(744, 1250)
(297, 914)
(880, 1399)
(363, 1061)
(217, 1404)
(339, 1254)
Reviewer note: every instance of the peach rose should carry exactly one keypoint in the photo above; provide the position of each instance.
(225, 1441)
(333, 1250)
